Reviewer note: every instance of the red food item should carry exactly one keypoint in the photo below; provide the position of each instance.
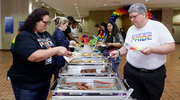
(89, 87)
(82, 88)
(132, 48)
(103, 71)
(110, 86)
(96, 81)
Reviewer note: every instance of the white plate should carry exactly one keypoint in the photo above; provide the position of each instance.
(103, 45)
(67, 58)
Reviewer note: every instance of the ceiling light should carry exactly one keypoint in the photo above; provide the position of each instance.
(105, 4)
(43, 4)
(47, 6)
(149, 9)
(36, 0)
(146, 0)
(75, 4)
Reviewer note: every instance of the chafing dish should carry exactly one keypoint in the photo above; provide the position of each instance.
(75, 70)
(117, 92)
(85, 61)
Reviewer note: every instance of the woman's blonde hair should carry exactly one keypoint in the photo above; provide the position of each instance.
(60, 20)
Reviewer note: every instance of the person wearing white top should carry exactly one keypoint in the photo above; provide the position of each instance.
(146, 45)
(73, 29)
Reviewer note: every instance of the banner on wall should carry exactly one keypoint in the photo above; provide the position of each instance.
(9, 25)
(20, 23)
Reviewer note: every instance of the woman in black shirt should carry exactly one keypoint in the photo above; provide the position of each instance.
(33, 58)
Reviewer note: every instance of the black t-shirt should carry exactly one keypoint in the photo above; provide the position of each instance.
(110, 40)
(67, 31)
(23, 70)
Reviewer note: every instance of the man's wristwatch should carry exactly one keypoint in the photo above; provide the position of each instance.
(119, 52)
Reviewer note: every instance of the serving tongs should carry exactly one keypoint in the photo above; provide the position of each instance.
(108, 57)
(70, 87)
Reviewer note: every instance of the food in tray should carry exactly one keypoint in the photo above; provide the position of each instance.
(87, 55)
(88, 71)
(81, 61)
(88, 61)
(103, 71)
(76, 83)
(80, 85)
(110, 86)
(76, 55)
(90, 55)
(82, 88)
(102, 61)
(77, 61)
(89, 87)
(101, 84)
(97, 81)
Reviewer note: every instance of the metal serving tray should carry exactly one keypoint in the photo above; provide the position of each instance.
(89, 98)
(118, 90)
(92, 60)
(75, 70)
(94, 54)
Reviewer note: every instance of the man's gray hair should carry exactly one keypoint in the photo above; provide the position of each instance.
(139, 8)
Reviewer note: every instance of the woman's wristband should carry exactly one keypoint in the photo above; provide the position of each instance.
(119, 52)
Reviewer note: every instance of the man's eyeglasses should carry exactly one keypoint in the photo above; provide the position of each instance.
(134, 17)
(47, 23)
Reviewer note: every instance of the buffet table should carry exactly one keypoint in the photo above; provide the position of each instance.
(89, 76)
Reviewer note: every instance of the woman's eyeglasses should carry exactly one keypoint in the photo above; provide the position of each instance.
(46, 22)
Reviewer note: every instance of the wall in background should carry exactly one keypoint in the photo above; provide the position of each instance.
(85, 24)
(14, 9)
(176, 26)
(0, 28)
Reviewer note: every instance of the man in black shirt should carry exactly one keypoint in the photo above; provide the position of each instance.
(67, 32)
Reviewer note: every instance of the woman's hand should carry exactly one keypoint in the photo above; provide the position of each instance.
(109, 44)
(62, 51)
(98, 45)
(42, 54)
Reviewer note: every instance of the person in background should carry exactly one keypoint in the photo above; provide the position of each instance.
(123, 32)
(60, 40)
(33, 58)
(97, 26)
(145, 71)
(114, 41)
(67, 32)
(73, 29)
(100, 37)
(103, 32)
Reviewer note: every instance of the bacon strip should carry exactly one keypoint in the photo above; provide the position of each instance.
(110, 86)
(89, 87)
(96, 81)
(82, 88)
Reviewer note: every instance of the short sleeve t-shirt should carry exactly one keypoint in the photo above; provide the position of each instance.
(67, 31)
(23, 70)
(152, 34)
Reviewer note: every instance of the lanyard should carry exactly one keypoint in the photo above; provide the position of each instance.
(45, 43)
